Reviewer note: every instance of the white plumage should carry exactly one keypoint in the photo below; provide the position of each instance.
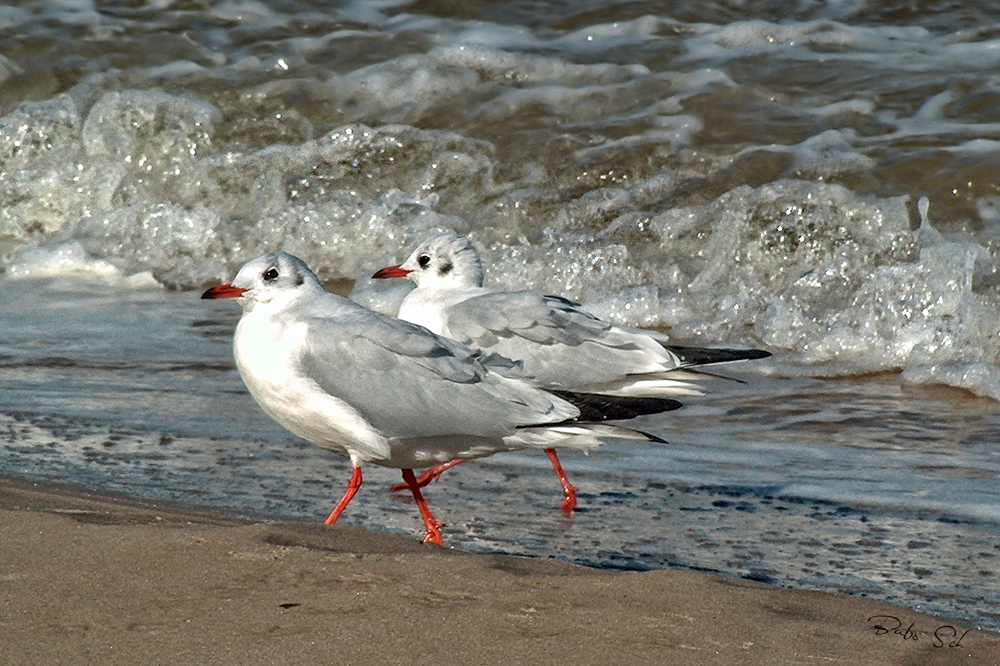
(385, 391)
(558, 344)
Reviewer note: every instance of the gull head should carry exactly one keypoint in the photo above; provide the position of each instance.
(444, 260)
(276, 279)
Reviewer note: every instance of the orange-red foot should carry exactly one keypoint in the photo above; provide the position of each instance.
(434, 536)
(432, 474)
(569, 504)
(431, 524)
(352, 490)
(569, 490)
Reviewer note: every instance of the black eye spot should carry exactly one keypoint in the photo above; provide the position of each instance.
(271, 274)
(423, 260)
(445, 268)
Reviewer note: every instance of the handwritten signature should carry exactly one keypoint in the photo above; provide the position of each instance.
(944, 636)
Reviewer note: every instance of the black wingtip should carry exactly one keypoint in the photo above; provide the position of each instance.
(596, 407)
(694, 356)
(653, 438)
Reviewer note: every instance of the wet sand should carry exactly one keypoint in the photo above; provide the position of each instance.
(100, 579)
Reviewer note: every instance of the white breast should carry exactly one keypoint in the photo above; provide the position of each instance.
(267, 354)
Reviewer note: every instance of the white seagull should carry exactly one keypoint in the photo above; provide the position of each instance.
(384, 391)
(558, 344)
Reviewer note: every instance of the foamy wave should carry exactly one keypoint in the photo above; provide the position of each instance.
(667, 173)
(980, 378)
(840, 281)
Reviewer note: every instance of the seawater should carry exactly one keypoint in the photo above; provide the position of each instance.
(814, 179)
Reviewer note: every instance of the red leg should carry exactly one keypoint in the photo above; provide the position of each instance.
(432, 474)
(569, 490)
(352, 489)
(432, 524)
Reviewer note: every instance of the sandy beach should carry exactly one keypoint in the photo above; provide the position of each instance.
(815, 179)
(99, 579)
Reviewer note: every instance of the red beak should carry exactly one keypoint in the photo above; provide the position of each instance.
(392, 272)
(224, 291)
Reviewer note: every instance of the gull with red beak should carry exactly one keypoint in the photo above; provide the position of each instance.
(558, 344)
(383, 391)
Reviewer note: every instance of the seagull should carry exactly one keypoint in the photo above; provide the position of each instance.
(388, 392)
(557, 343)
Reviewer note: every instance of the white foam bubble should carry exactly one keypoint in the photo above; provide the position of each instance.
(643, 306)
(408, 87)
(70, 259)
(146, 129)
(839, 281)
(565, 266)
(830, 153)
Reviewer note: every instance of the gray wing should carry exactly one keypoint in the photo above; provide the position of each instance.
(557, 342)
(408, 382)
(546, 320)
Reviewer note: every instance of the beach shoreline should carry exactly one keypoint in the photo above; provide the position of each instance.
(90, 578)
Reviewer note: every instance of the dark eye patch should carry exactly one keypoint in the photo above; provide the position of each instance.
(271, 274)
(423, 260)
(445, 268)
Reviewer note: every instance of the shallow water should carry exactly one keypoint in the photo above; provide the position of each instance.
(857, 484)
(817, 179)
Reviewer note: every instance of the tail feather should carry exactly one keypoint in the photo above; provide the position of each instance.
(586, 430)
(698, 373)
(678, 383)
(578, 436)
